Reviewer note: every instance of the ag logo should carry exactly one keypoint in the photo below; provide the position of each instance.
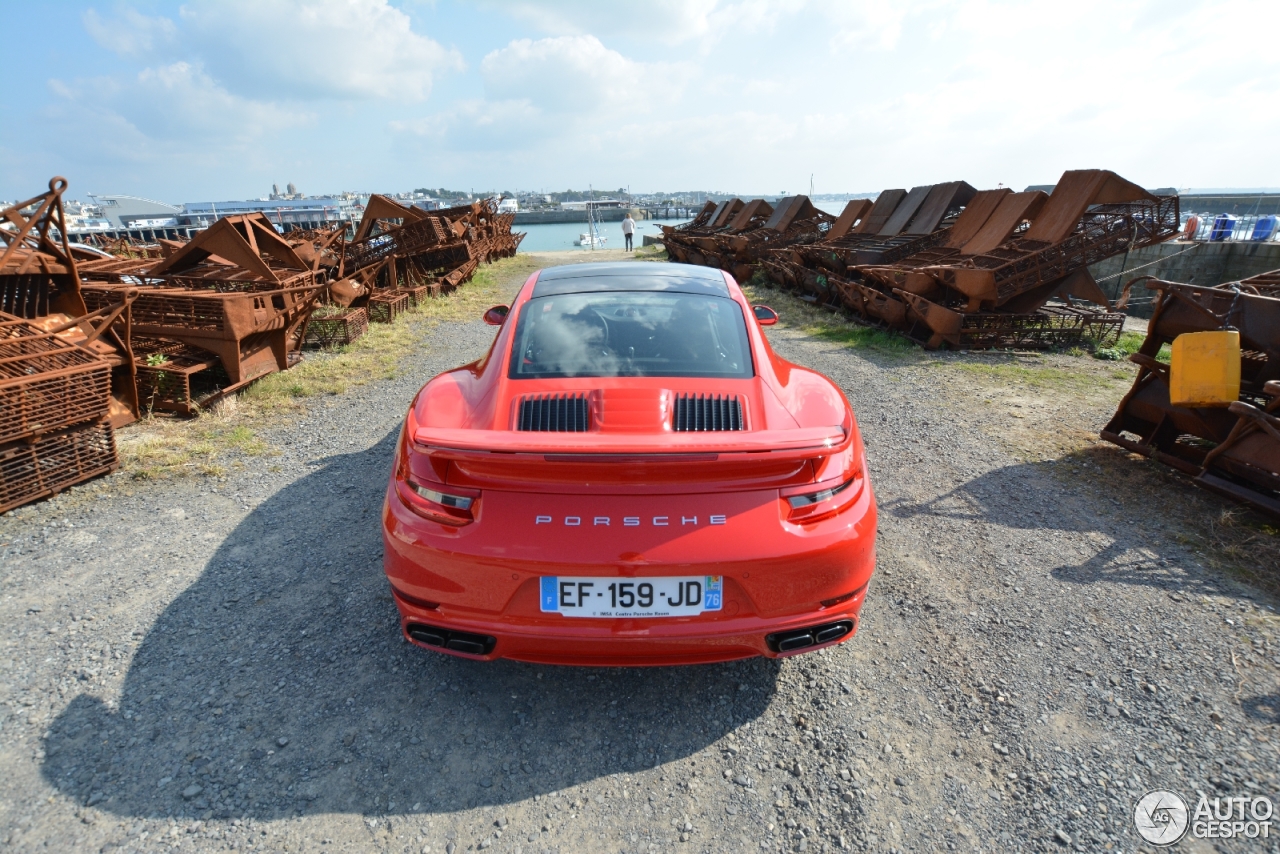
(1161, 817)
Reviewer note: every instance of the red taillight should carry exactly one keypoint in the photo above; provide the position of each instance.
(420, 488)
(819, 501)
(431, 501)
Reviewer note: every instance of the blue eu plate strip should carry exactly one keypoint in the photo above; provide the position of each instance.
(550, 594)
(711, 600)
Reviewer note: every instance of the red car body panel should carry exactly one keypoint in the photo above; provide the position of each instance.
(629, 498)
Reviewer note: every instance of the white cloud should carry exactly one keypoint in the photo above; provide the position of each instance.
(299, 49)
(179, 99)
(478, 125)
(668, 21)
(744, 95)
(563, 74)
(130, 33)
(354, 49)
(867, 24)
(179, 103)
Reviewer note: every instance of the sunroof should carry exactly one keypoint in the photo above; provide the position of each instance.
(630, 276)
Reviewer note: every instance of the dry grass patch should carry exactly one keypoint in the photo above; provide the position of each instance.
(1035, 372)
(156, 448)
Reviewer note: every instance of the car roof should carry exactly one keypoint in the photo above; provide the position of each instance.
(630, 276)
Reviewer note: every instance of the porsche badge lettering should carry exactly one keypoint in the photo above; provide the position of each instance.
(631, 521)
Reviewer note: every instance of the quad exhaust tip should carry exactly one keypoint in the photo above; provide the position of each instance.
(463, 642)
(812, 636)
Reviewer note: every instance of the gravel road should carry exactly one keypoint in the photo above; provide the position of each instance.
(213, 663)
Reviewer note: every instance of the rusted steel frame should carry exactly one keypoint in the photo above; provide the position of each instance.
(1226, 454)
(1184, 308)
(202, 308)
(46, 381)
(386, 305)
(30, 235)
(251, 332)
(337, 329)
(38, 274)
(1048, 326)
(118, 270)
(1264, 284)
(212, 285)
(1023, 264)
(754, 214)
(1254, 420)
(320, 247)
(448, 257)
(31, 470)
(754, 245)
(185, 380)
(379, 210)
(781, 271)
(701, 219)
(460, 275)
(409, 239)
(868, 249)
(246, 241)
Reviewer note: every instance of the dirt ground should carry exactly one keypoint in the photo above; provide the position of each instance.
(206, 657)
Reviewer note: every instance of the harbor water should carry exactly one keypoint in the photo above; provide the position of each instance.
(556, 236)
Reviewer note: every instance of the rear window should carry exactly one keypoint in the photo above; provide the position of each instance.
(631, 334)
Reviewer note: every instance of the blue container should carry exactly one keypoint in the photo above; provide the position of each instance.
(1223, 225)
(1265, 228)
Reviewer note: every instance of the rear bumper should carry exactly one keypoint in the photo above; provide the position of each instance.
(608, 643)
(483, 580)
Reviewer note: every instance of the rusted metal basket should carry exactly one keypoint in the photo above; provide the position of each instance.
(47, 383)
(173, 377)
(417, 294)
(457, 277)
(31, 470)
(386, 306)
(334, 330)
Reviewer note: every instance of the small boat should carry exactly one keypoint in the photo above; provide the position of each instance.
(591, 240)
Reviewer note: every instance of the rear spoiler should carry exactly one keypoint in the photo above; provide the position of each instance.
(802, 443)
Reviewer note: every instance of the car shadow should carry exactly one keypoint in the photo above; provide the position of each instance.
(1263, 707)
(278, 684)
(1042, 497)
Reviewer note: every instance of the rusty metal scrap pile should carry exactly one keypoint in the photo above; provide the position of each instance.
(1231, 447)
(945, 264)
(91, 340)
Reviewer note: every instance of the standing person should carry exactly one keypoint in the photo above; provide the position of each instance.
(628, 229)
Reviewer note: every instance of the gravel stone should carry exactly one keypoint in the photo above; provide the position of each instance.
(1015, 603)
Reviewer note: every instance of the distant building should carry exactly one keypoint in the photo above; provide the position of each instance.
(81, 217)
(280, 211)
(291, 193)
(123, 211)
(508, 206)
(599, 203)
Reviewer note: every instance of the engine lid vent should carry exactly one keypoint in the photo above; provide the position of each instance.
(699, 412)
(556, 413)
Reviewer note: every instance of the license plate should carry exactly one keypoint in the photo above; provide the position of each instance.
(671, 596)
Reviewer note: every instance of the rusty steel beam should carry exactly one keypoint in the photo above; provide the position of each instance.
(1232, 450)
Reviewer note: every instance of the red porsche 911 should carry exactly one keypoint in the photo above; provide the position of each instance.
(631, 476)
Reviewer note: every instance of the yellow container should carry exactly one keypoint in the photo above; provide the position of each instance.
(1205, 369)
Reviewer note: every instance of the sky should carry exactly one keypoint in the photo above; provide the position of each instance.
(219, 99)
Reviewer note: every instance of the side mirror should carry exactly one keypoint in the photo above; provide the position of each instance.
(497, 315)
(765, 316)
